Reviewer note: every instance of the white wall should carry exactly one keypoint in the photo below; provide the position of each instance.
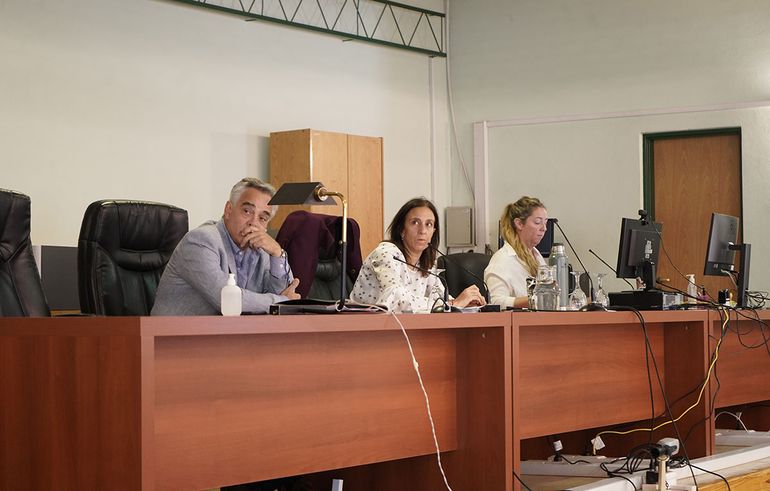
(589, 199)
(512, 61)
(146, 99)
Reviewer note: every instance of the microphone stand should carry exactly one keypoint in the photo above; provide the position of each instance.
(610, 267)
(447, 307)
(593, 305)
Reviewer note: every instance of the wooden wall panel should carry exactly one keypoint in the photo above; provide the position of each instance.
(365, 191)
(348, 398)
(350, 164)
(289, 157)
(70, 413)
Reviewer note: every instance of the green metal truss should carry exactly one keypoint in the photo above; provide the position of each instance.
(375, 21)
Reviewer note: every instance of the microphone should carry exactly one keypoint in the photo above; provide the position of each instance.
(449, 259)
(447, 307)
(592, 305)
(610, 267)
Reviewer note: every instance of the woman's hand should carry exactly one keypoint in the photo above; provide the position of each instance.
(470, 297)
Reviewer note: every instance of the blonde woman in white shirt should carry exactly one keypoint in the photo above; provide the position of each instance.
(395, 273)
(523, 226)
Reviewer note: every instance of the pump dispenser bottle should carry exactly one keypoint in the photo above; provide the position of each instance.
(231, 297)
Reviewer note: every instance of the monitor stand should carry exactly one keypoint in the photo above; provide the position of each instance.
(648, 299)
(742, 278)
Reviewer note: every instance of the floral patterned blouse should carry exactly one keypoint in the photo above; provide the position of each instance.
(385, 281)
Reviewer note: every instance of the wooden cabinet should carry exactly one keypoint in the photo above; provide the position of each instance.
(349, 164)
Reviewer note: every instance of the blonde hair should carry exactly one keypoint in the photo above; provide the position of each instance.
(521, 209)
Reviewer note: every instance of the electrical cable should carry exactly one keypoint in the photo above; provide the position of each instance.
(725, 320)
(610, 268)
(522, 482)
(665, 251)
(663, 246)
(713, 473)
(673, 289)
(573, 462)
(450, 100)
(590, 281)
(762, 326)
(740, 335)
(673, 420)
(722, 310)
(427, 400)
(737, 418)
(631, 463)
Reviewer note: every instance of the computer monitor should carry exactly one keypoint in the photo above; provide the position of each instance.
(639, 249)
(720, 255)
(547, 242)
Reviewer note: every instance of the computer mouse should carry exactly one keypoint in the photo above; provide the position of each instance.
(593, 307)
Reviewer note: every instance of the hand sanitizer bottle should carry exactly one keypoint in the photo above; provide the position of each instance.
(231, 297)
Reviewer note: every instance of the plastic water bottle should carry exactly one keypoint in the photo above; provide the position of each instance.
(692, 289)
(558, 258)
(231, 297)
(546, 293)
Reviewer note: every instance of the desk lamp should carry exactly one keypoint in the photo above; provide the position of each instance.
(314, 193)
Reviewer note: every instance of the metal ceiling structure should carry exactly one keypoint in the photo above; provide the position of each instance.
(375, 21)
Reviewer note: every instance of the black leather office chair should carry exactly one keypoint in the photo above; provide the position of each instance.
(122, 251)
(458, 268)
(21, 292)
(311, 241)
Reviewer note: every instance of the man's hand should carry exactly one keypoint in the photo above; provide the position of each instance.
(258, 238)
(289, 291)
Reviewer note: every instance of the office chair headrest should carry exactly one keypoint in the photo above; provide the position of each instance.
(15, 211)
(138, 235)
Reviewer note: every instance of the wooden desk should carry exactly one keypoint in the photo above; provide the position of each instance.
(170, 403)
(184, 403)
(586, 370)
(743, 366)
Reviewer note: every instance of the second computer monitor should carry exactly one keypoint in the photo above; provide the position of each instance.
(720, 256)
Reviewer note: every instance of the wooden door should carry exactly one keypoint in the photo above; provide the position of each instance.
(694, 175)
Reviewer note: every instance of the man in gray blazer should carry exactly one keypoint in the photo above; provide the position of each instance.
(239, 244)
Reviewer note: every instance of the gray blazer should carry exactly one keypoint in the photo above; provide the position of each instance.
(198, 269)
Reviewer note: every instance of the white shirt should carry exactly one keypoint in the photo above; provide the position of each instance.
(506, 275)
(386, 281)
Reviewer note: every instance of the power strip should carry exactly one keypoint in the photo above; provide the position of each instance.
(673, 487)
(579, 469)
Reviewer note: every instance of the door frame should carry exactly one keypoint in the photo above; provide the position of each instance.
(648, 161)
